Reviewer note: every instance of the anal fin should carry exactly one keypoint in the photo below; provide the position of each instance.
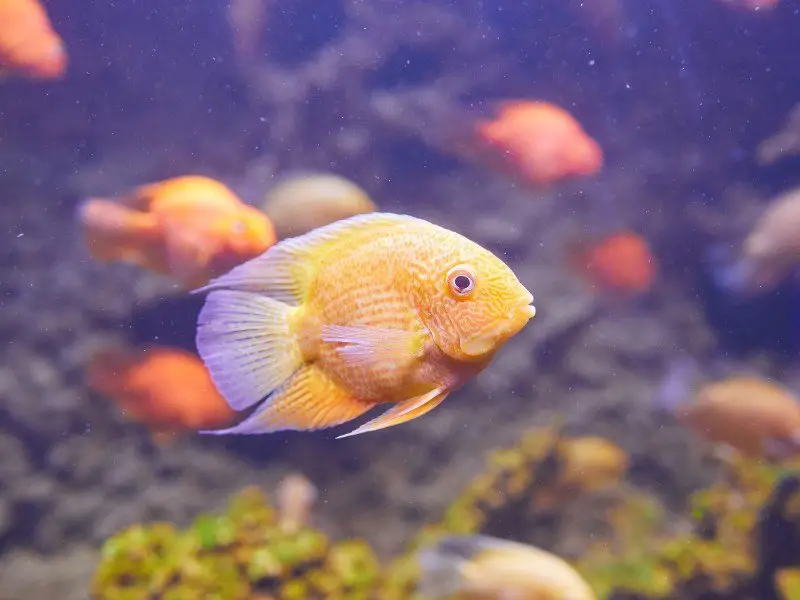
(402, 412)
(308, 401)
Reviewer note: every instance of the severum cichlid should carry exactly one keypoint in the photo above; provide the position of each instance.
(377, 308)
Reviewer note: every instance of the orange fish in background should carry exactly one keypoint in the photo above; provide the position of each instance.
(621, 263)
(167, 389)
(754, 416)
(538, 143)
(190, 228)
(29, 46)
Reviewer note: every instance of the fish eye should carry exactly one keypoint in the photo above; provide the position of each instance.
(461, 281)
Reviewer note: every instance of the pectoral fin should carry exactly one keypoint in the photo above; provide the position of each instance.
(402, 412)
(375, 348)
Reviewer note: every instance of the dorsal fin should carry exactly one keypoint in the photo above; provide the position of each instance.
(284, 271)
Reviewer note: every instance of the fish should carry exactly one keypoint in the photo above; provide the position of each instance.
(167, 389)
(29, 46)
(756, 417)
(537, 143)
(770, 252)
(486, 568)
(295, 497)
(190, 228)
(301, 203)
(376, 309)
(621, 263)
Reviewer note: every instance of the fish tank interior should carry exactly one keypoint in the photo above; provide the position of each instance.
(634, 165)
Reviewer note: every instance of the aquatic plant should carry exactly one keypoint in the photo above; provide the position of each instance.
(242, 553)
(715, 555)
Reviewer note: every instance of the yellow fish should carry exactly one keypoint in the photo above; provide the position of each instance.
(485, 568)
(377, 308)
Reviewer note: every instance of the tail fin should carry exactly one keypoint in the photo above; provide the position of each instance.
(111, 230)
(106, 368)
(247, 345)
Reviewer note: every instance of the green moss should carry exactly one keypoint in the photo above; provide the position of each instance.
(243, 553)
(239, 554)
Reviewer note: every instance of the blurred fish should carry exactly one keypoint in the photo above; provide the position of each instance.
(621, 263)
(295, 497)
(166, 389)
(769, 253)
(486, 568)
(304, 202)
(190, 228)
(377, 308)
(536, 142)
(247, 19)
(754, 416)
(586, 464)
(29, 46)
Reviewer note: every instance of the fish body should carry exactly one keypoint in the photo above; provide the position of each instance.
(538, 143)
(377, 308)
(621, 263)
(191, 228)
(486, 568)
(166, 389)
(754, 416)
(29, 46)
(304, 202)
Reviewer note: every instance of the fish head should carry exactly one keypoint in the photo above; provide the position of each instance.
(478, 304)
(585, 157)
(248, 232)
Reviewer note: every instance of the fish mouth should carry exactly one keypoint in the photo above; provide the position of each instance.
(525, 312)
(487, 341)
